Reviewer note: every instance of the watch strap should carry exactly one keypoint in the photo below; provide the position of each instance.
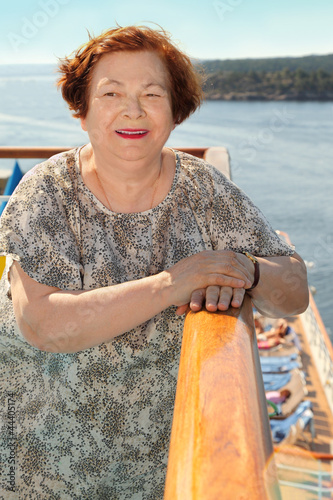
(256, 271)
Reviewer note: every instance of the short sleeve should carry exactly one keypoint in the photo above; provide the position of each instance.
(36, 229)
(238, 225)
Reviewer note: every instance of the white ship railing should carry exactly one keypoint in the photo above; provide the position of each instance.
(321, 348)
(323, 479)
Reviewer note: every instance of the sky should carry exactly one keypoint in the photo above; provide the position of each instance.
(41, 31)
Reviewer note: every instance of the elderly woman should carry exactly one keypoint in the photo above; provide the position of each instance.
(107, 246)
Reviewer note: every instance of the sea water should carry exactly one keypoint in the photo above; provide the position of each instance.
(281, 156)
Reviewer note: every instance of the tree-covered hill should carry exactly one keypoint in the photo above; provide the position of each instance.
(306, 63)
(289, 78)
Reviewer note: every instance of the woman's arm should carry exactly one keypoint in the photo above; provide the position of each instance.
(282, 289)
(70, 321)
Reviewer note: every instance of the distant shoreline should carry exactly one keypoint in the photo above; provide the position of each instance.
(249, 97)
(281, 79)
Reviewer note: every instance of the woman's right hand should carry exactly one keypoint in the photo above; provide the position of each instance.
(209, 268)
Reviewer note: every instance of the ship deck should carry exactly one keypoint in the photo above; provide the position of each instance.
(321, 443)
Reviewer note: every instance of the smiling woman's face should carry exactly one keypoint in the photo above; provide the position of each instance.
(129, 114)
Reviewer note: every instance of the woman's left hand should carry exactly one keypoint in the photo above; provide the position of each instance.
(215, 298)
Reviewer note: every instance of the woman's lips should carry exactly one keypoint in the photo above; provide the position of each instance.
(131, 133)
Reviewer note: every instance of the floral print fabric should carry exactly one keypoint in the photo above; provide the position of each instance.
(96, 424)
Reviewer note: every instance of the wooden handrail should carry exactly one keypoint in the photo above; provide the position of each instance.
(30, 152)
(45, 152)
(221, 444)
(217, 156)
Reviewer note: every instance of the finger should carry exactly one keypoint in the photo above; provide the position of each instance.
(197, 299)
(224, 280)
(238, 297)
(226, 293)
(181, 309)
(212, 298)
(224, 269)
(248, 265)
(237, 266)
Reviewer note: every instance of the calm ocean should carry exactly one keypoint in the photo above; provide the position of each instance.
(281, 152)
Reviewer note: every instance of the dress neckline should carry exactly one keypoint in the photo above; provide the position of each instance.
(97, 202)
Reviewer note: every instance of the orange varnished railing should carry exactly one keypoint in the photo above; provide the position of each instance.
(221, 444)
(45, 152)
(217, 156)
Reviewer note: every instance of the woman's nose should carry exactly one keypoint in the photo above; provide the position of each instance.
(133, 108)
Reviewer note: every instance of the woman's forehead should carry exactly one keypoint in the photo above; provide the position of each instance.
(123, 66)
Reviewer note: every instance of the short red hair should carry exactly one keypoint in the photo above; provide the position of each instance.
(76, 71)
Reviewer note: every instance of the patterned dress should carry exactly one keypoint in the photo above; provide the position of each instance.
(96, 424)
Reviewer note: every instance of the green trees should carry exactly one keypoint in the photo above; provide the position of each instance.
(268, 84)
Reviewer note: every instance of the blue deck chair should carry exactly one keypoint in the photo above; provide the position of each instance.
(275, 381)
(279, 359)
(279, 364)
(11, 184)
(302, 415)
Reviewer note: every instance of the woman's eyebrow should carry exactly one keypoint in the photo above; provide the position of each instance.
(107, 81)
(154, 84)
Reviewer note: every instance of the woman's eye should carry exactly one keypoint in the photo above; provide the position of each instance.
(153, 95)
(111, 94)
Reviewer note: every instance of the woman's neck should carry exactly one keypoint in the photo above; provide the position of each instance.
(128, 186)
